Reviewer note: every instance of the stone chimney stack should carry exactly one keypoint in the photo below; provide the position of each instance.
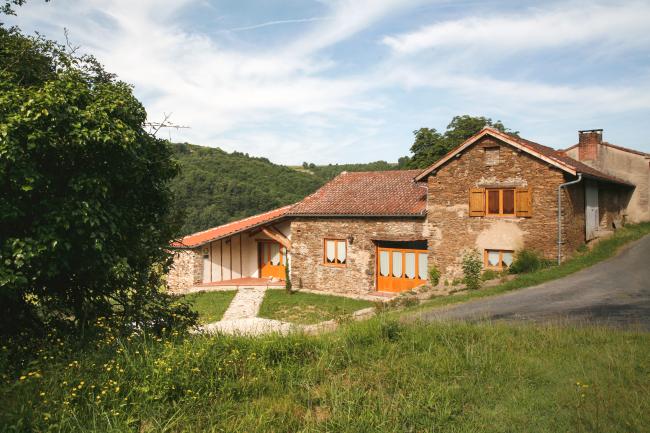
(589, 142)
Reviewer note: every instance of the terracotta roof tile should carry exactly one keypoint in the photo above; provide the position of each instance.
(614, 146)
(200, 238)
(549, 154)
(371, 193)
(578, 166)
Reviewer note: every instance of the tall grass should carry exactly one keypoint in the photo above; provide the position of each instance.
(378, 375)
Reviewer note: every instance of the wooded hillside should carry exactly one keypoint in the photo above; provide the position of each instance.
(215, 187)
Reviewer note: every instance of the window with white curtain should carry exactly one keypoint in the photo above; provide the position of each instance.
(341, 252)
(498, 259)
(507, 257)
(397, 264)
(409, 265)
(384, 263)
(335, 252)
(422, 266)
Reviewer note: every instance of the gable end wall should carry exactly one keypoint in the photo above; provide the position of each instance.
(453, 232)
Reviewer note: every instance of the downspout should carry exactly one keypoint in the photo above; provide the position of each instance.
(559, 215)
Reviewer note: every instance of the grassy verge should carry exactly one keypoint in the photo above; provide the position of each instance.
(307, 308)
(373, 376)
(601, 251)
(211, 305)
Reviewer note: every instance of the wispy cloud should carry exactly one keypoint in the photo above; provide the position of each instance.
(276, 23)
(299, 98)
(620, 23)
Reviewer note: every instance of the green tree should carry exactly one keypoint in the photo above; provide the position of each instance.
(430, 145)
(85, 216)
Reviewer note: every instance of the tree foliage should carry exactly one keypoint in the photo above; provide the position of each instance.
(85, 218)
(430, 145)
(215, 187)
(330, 171)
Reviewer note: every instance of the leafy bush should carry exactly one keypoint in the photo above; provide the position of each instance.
(434, 275)
(472, 266)
(490, 274)
(86, 206)
(528, 261)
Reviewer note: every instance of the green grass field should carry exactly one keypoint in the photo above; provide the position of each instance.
(307, 308)
(373, 376)
(210, 305)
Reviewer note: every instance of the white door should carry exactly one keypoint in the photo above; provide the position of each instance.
(591, 209)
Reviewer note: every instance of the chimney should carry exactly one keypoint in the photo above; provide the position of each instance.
(589, 142)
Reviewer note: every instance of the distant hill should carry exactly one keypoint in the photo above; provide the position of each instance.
(215, 187)
(328, 172)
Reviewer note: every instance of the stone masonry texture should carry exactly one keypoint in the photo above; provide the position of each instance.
(186, 270)
(358, 275)
(453, 231)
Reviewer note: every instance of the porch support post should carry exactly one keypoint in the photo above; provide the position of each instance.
(274, 234)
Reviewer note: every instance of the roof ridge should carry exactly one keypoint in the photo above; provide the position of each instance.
(547, 153)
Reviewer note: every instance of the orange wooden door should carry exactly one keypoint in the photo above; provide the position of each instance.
(400, 269)
(272, 260)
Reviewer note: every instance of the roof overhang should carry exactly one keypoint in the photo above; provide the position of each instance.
(499, 136)
(327, 215)
(180, 246)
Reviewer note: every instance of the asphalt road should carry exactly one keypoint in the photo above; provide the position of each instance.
(614, 292)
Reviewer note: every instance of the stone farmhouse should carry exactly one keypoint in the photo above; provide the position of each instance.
(382, 231)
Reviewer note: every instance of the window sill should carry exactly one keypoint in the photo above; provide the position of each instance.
(333, 265)
(502, 217)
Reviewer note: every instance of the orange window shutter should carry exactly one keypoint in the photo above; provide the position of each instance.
(477, 202)
(524, 202)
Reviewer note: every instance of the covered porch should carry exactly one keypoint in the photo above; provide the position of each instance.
(253, 252)
(243, 282)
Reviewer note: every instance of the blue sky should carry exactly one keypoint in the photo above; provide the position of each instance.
(348, 81)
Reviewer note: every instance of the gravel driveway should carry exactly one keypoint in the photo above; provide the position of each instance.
(613, 292)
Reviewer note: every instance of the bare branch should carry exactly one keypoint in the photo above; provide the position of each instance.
(157, 126)
(73, 49)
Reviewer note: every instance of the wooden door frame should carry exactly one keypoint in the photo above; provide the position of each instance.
(390, 263)
(283, 257)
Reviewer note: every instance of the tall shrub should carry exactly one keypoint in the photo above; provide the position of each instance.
(472, 266)
(85, 216)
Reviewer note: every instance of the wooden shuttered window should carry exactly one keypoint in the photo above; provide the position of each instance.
(501, 201)
(524, 202)
(477, 202)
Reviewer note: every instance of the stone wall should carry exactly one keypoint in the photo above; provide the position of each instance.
(453, 232)
(186, 270)
(358, 275)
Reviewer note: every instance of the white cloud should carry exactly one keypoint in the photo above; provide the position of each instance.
(573, 23)
(292, 103)
(216, 90)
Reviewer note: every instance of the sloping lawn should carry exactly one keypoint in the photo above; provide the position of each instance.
(371, 376)
(601, 251)
(307, 308)
(210, 305)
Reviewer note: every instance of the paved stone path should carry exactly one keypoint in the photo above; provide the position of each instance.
(245, 304)
(241, 318)
(249, 326)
